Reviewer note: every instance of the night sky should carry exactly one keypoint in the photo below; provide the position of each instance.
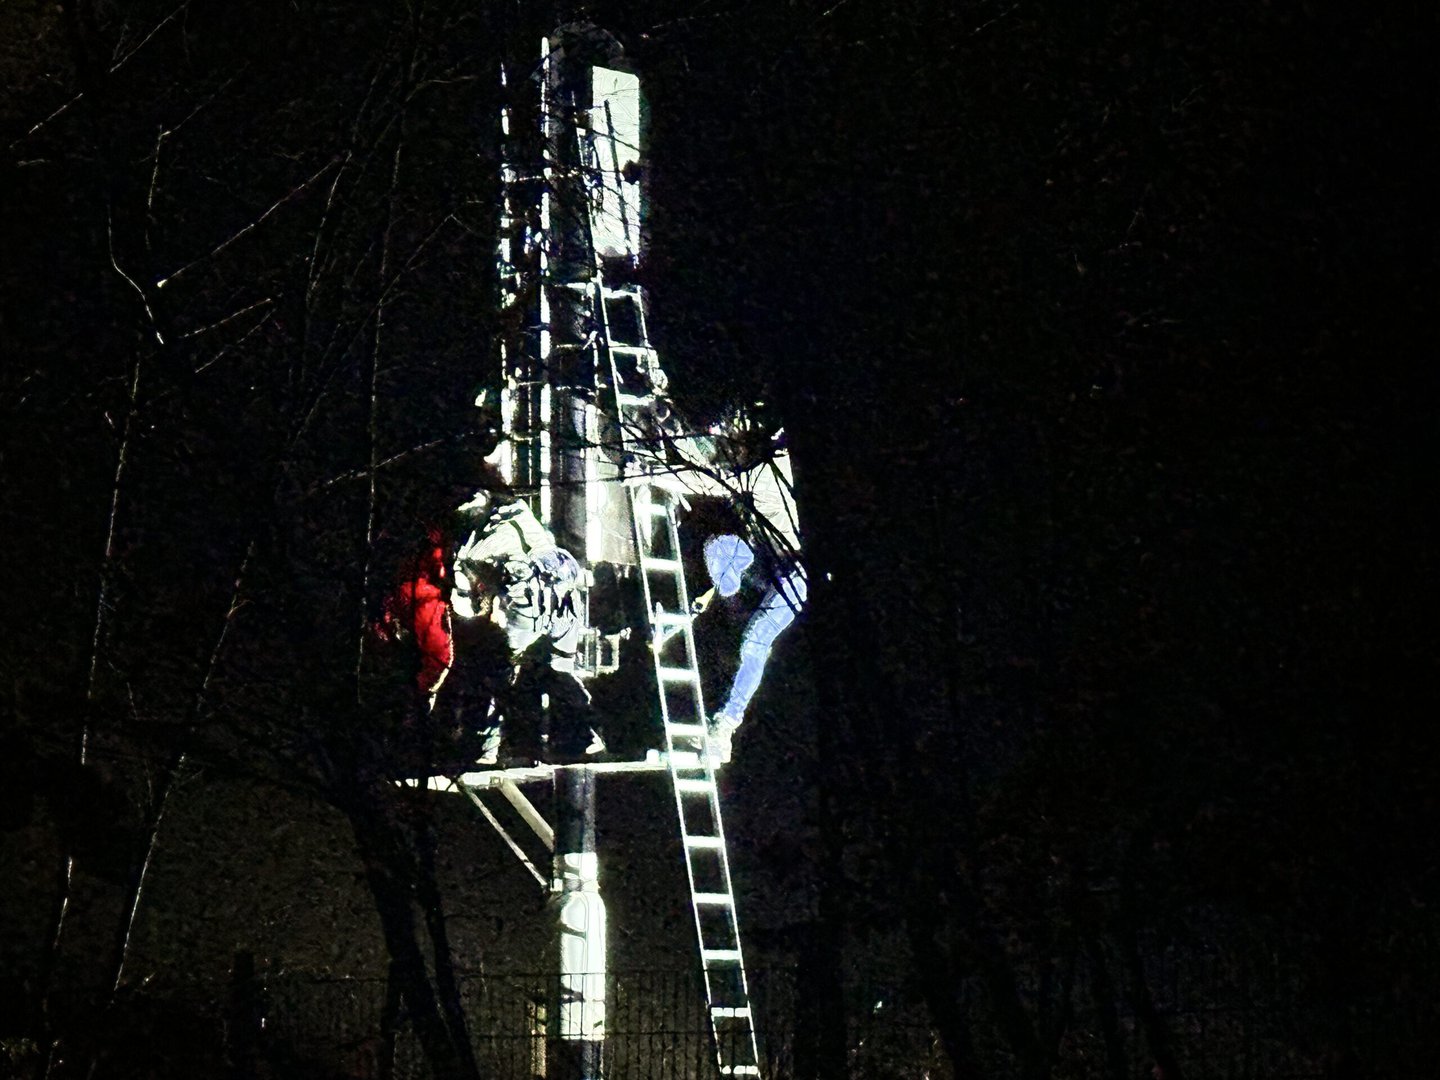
(1099, 333)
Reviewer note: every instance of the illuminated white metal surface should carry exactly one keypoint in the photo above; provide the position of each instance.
(545, 342)
(504, 834)
(622, 524)
(594, 493)
(615, 201)
(526, 809)
(503, 456)
(582, 947)
(547, 509)
(653, 761)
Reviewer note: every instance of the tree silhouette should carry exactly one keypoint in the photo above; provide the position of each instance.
(238, 345)
(1094, 334)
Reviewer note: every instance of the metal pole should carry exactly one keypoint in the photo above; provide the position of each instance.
(579, 1025)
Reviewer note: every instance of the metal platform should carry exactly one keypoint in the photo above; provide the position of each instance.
(481, 777)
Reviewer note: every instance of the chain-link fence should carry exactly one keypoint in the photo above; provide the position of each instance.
(1219, 1016)
(656, 1026)
(1221, 1019)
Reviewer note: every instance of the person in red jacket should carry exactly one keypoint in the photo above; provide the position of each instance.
(417, 613)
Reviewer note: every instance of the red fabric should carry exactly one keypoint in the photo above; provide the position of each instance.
(418, 608)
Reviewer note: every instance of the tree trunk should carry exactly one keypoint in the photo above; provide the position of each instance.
(431, 901)
(941, 998)
(390, 871)
(1103, 991)
(389, 1025)
(1157, 1035)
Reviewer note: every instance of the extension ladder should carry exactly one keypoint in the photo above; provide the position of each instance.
(636, 381)
(692, 772)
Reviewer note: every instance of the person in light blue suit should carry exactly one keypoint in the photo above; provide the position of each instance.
(763, 494)
(727, 557)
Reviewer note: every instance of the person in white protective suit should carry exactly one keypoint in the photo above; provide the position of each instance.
(509, 569)
(764, 496)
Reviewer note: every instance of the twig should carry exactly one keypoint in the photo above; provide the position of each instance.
(227, 318)
(113, 69)
(252, 226)
(361, 474)
(991, 22)
(220, 355)
(146, 39)
(373, 419)
(360, 325)
(312, 272)
(66, 869)
(172, 773)
(144, 300)
(167, 133)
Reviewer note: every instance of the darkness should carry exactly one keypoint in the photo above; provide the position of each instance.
(1098, 333)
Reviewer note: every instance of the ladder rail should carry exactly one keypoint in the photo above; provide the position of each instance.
(690, 760)
(685, 784)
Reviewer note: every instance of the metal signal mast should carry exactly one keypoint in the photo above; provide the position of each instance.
(582, 397)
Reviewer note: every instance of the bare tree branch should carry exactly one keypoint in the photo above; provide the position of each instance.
(144, 300)
(373, 418)
(360, 325)
(66, 868)
(265, 302)
(116, 66)
(168, 778)
(169, 132)
(221, 354)
(146, 39)
(313, 273)
(253, 225)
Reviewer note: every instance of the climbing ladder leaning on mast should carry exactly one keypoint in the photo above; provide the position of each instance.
(635, 375)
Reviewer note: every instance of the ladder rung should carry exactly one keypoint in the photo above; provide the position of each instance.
(698, 787)
(720, 956)
(710, 843)
(631, 293)
(660, 564)
(715, 899)
(740, 1070)
(686, 731)
(678, 674)
(727, 1012)
(634, 350)
(659, 509)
